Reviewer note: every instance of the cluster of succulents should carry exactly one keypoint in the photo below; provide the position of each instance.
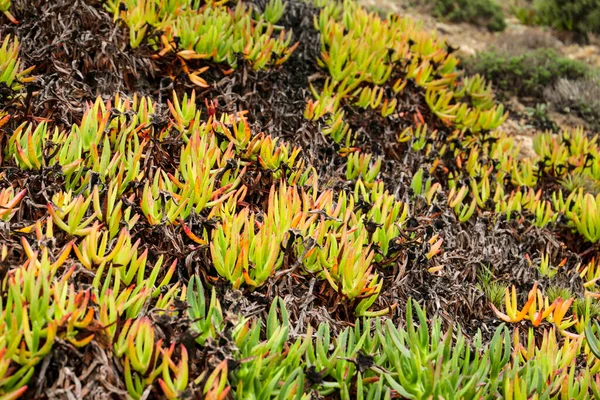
(370, 61)
(83, 270)
(207, 177)
(193, 31)
(476, 168)
(505, 183)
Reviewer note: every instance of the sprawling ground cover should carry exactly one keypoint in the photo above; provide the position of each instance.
(280, 200)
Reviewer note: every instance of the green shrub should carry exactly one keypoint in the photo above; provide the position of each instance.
(577, 16)
(486, 13)
(526, 75)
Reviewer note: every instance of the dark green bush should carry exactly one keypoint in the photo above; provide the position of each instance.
(528, 74)
(486, 13)
(577, 16)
